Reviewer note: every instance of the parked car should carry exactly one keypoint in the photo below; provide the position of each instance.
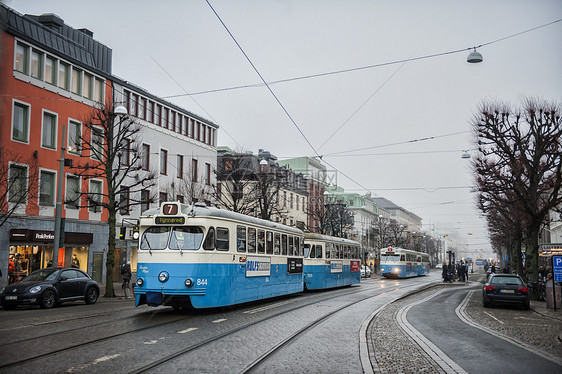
(365, 271)
(49, 287)
(439, 266)
(505, 289)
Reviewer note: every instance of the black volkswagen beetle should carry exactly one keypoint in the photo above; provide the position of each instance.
(49, 287)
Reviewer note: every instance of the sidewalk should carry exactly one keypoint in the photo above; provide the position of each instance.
(119, 293)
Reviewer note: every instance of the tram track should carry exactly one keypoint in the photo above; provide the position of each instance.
(257, 362)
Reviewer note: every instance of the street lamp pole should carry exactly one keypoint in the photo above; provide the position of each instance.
(58, 210)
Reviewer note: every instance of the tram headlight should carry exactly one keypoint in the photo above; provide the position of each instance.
(163, 277)
(396, 270)
(140, 282)
(188, 282)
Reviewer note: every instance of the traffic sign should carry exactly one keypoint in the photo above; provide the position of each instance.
(557, 266)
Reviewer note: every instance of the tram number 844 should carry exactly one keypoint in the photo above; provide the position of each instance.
(201, 282)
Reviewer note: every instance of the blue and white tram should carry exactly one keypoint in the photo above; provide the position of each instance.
(403, 263)
(330, 261)
(206, 257)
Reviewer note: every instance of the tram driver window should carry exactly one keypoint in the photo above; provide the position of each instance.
(209, 243)
(308, 252)
(155, 237)
(189, 238)
(240, 238)
(222, 239)
(261, 241)
(251, 240)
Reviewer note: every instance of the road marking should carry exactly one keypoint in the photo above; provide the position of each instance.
(494, 317)
(461, 313)
(187, 330)
(437, 355)
(263, 308)
(219, 320)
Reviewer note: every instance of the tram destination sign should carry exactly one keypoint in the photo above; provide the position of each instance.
(169, 220)
(294, 265)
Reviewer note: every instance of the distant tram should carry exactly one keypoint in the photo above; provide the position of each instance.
(330, 262)
(204, 257)
(403, 263)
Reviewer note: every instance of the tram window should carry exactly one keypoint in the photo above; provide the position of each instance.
(241, 238)
(251, 240)
(328, 250)
(298, 248)
(284, 245)
(356, 253)
(291, 246)
(277, 244)
(261, 241)
(345, 251)
(338, 252)
(188, 238)
(209, 243)
(155, 237)
(402, 258)
(222, 239)
(307, 251)
(269, 242)
(318, 251)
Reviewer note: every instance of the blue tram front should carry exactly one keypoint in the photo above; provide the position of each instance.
(207, 257)
(403, 263)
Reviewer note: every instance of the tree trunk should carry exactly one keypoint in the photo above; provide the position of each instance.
(110, 260)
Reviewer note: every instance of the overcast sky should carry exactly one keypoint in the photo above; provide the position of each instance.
(407, 121)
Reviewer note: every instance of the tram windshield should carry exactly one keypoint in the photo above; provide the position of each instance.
(390, 257)
(177, 238)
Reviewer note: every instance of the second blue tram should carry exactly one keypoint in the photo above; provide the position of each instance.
(206, 257)
(403, 263)
(330, 261)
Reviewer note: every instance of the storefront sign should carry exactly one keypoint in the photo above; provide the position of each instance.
(19, 235)
(43, 236)
(37, 236)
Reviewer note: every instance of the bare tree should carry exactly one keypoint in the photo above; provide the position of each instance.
(111, 150)
(189, 188)
(519, 162)
(268, 183)
(19, 183)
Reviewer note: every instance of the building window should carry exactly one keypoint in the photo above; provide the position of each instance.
(163, 197)
(145, 157)
(74, 137)
(95, 197)
(50, 70)
(76, 81)
(157, 114)
(194, 170)
(145, 200)
(150, 112)
(47, 188)
(17, 184)
(72, 192)
(165, 117)
(49, 131)
(173, 121)
(20, 122)
(22, 52)
(124, 201)
(98, 91)
(207, 174)
(87, 86)
(163, 162)
(36, 64)
(180, 166)
(63, 75)
(142, 108)
(125, 152)
(96, 151)
(133, 105)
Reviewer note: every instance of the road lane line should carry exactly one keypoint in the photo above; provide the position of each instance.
(437, 355)
(494, 317)
(219, 320)
(187, 330)
(461, 313)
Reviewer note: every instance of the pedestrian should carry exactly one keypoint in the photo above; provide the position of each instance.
(445, 272)
(126, 273)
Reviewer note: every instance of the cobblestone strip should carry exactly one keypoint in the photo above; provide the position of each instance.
(391, 350)
(524, 329)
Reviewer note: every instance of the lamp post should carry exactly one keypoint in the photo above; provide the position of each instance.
(58, 208)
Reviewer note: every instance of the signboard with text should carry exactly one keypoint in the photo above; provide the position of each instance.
(557, 267)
